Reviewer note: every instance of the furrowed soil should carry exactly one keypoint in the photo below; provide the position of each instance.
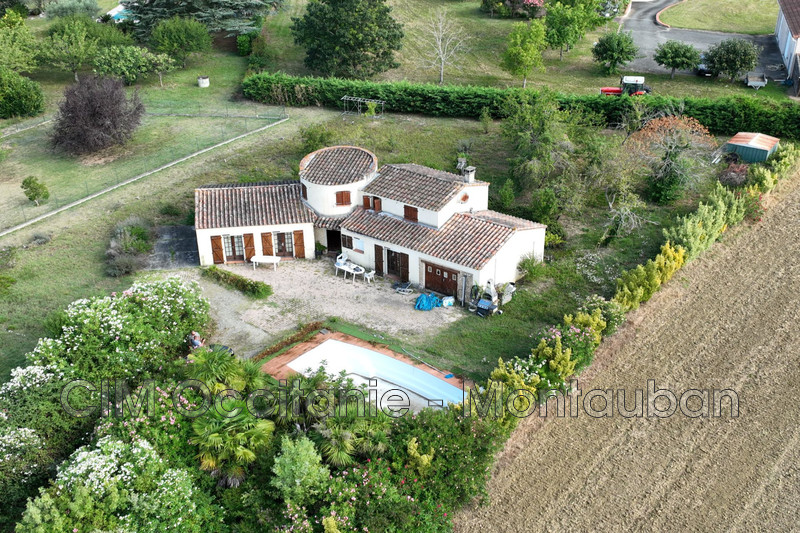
(729, 320)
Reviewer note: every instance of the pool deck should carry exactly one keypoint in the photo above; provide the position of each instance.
(279, 369)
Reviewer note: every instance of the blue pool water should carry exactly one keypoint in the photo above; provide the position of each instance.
(366, 363)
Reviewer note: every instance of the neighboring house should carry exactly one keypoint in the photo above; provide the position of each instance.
(405, 221)
(787, 34)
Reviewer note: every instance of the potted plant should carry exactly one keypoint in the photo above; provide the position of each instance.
(319, 249)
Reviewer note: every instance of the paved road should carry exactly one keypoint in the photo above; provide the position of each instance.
(647, 35)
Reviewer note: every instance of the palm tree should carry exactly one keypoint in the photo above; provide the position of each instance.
(228, 443)
(217, 368)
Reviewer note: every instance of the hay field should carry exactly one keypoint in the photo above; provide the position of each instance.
(729, 320)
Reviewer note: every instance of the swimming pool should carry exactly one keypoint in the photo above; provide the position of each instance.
(341, 356)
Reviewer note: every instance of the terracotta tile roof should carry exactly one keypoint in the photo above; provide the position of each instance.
(417, 185)
(338, 165)
(791, 11)
(467, 239)
(324, 222)
(756, 140)
(507, 220)
(251, 204)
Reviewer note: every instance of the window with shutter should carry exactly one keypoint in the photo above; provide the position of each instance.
(343, 198)
(305, 191)
(367, 204)
(410, 213)
(376, 204)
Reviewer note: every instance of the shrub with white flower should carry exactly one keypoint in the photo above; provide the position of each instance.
(118, 486)
(29, 377)
(124, 334)
(16, 447)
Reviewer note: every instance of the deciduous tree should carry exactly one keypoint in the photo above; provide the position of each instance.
(676, 55)
(732, 57)
(178, 37)
(70, 50)
(348, 38)
(444, 42)
(17, 44)
(613, 50)
(675, 149)
(563, 27)
(523, 54)
(34, 190)
(96, 113)
(129, 63)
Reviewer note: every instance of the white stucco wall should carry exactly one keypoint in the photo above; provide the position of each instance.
(322, 198)
(786, 43)
(478, 199)
(502, 268)
(204, 238)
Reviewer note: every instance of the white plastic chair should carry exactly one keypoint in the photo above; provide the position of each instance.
(369, 277)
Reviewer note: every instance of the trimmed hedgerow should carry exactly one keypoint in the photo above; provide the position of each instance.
(724, 116)
(256, 289)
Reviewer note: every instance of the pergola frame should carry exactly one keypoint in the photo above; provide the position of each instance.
(353, 105)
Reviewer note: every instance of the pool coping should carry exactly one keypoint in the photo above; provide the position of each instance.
(279, 369)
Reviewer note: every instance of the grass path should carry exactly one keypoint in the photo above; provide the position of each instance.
(753, 17)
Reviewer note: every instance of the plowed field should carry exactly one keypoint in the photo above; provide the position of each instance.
(731, 319)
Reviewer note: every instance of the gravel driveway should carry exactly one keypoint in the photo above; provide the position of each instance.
(305, 291)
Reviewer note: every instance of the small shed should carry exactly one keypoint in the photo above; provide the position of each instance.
(752, 147)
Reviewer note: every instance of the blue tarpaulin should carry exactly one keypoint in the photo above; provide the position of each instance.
(426, 302)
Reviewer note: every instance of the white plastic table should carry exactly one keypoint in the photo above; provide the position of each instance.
(352, 268)
(274, 260)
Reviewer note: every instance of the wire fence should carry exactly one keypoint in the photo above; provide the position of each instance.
(70, 180)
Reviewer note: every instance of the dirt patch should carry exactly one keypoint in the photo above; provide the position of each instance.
(727, 321)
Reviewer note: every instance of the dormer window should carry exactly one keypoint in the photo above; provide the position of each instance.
(343, 198)
(410, 213)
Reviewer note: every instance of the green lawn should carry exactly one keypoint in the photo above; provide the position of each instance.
(754, 17)
(159, 140)
(577, 73)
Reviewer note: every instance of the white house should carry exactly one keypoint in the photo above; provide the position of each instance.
(406, 221)
(787, 33)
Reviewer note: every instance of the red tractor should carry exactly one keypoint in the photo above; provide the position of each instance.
(630, 85)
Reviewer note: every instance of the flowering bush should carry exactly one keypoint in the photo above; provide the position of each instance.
(167, 430)
(118, 486)
(613, 314)
(123, 335)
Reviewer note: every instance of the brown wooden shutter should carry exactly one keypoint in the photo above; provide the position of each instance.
(305, 191)
(366, 202)
(249, 246)
(299, 244)
(376, 202)
(266, 244)
(403, 267)
(217, 251)
(346, 197)
(379, 260)
(410, 213)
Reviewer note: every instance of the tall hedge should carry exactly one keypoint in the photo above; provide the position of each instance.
(725, 116)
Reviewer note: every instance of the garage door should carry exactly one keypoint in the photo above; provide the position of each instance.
(440, 279)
